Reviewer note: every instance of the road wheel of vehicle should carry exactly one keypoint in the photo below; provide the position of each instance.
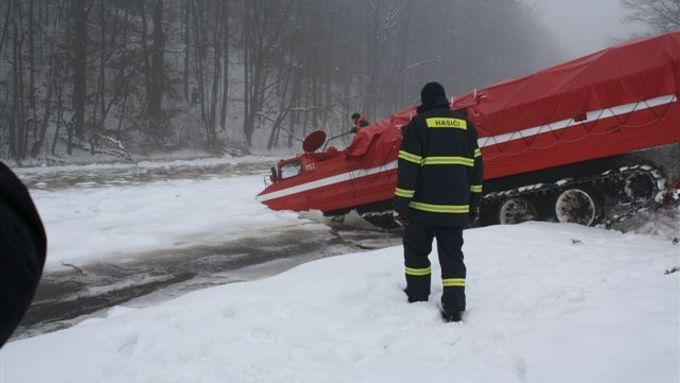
(516, 210)
(582, 206)
(639, 187)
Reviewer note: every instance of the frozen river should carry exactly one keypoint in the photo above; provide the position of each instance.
(143, 234)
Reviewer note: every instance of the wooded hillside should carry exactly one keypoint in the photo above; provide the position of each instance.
(98, 75)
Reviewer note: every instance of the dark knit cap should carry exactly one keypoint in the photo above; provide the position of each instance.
(431, 91)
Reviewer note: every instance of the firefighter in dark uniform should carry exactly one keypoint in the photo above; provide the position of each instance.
(359, 121)
(22, 251)
(438, 191)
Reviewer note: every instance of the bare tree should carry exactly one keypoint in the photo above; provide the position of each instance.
(155, 67)
(660, 15)
(262, 37)
(386, 17)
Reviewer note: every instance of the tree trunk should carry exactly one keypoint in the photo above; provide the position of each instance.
(199, 55)
(16, 120)
(157, 74)
(101, 91)
(247, 92)
(79, 67)
(217, 67)
(225, 81)
(187, 44)
(5, 26)
(35, 149)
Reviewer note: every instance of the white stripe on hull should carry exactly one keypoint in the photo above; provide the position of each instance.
(590, 117)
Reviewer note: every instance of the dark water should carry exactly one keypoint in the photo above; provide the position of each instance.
(65, 297)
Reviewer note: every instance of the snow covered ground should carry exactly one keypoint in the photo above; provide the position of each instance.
(546, 303)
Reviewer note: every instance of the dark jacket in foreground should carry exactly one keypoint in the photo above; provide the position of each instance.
(22, 251)
(440, 167)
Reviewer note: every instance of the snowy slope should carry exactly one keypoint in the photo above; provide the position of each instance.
(547, 303)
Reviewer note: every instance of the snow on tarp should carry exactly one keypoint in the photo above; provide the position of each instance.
(630, 72)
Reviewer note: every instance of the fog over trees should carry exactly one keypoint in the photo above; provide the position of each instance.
(101, 75)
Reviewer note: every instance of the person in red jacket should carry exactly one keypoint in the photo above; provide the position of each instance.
(23, 247)
(439, 186)
(359, 121)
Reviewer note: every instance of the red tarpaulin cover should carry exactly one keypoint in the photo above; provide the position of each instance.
(626, 73)
(611, 102)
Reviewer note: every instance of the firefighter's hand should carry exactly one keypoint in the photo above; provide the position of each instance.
(400, 219)
(354, 130)
(473, 216)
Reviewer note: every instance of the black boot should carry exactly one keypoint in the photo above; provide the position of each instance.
(417, 288)
(412, 298)
(417, 299)
(451, 315)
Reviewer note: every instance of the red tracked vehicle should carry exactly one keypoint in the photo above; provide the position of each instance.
(585, 141)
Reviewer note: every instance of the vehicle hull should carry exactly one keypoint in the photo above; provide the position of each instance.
(612, 103)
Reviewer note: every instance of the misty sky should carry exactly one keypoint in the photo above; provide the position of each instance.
(584, 26)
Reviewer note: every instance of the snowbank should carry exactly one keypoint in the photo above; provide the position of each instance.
(547, 303)
(663, 223)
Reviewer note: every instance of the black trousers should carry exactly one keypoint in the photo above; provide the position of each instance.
(417, 247)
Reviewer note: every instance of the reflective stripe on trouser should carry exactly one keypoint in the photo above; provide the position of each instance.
(418, 282)
(404, 193)
(436, 208)
(418, 245)
(453, 282)
(418, 272)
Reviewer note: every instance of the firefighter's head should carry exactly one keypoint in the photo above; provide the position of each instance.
(357, 118)
(432, 91)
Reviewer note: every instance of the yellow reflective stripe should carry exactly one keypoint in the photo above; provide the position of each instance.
(418, 272)
(404, 155)
(453, 282)
(399, 192)
(476, 188)
(461, 209)
(478, 152)
(444, 122)
(465, 161)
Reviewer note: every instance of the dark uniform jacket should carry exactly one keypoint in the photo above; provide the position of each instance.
(22, 251)
(440, 167)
